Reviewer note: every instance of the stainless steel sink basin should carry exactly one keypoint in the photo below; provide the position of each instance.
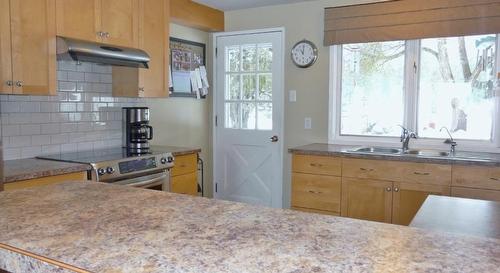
(377, 150)
(429, 153)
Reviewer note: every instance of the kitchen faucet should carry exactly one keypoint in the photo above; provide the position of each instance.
(406, 135)
(450, 140)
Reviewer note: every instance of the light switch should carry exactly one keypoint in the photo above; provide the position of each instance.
(307, 123)
(292, 95)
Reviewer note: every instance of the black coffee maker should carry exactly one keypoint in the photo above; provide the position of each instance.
(136, 130)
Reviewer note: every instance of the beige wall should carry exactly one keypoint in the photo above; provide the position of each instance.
(301, 20)
(184, 121)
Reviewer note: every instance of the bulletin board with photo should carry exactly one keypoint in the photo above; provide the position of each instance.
(185, 56)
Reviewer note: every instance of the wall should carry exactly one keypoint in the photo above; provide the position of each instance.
(301, 20)
(185, 121)
(83, 116)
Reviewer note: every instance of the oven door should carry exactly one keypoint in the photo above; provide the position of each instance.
(159, 181)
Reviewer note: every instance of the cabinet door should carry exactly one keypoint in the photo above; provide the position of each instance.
(5, 49)
(367, 199)
(79, 19)
(120, 22)
(481, 194)
(185, 184)
(409, 197)
(33, 28)
(153, 37)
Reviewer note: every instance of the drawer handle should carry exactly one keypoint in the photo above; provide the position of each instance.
(494, 179)
(316, 165)
(367, 170)
(315, 192)
(419, 173)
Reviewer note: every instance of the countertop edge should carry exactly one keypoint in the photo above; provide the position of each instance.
(46, 173)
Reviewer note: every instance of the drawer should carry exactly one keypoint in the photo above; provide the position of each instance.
(312, 164)
(476, 177)
(185, 184)
(316, 211)
(316, 192)
(421, 173)
(185, 164)
(475, 193)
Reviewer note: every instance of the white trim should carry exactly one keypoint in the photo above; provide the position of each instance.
(214, 37)
(410, 113)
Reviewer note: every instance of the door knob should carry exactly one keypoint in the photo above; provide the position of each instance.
(274, 139)
(19, 84)
(388, 189)
(100, 34)
(106, 34)
(9, 83)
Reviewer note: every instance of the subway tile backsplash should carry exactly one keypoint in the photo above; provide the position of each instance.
(83, 116)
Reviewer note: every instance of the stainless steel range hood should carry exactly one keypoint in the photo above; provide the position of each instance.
(85, 51)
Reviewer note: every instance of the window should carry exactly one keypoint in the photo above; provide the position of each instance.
(372, 88)
(421, 84)
(248, 94)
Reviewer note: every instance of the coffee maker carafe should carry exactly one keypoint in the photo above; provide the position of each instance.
(136, 130)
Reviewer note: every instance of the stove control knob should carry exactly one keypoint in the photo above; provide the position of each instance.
(163, 160)
(110, 170)
(170, 159)
(101, 171)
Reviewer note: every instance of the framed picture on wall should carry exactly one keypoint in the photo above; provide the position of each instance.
(185, 56)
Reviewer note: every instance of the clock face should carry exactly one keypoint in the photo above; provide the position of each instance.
(304, 54)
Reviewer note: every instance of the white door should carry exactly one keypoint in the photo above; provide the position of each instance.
(249, 108)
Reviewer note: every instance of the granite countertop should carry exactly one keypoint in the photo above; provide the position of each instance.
(460, 158)
(30, 168)
(108, 228)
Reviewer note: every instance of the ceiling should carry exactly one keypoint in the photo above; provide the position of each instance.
(226, 5)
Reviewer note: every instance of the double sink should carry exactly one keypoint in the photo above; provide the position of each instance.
(395, 151)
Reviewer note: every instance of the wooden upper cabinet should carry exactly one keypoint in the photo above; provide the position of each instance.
(367, 199)
(120, 22)
(409, 197)
(5, 49)
(153, 38)
(33, 35)
(79, 19)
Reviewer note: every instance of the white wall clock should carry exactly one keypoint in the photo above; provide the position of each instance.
(304, 54)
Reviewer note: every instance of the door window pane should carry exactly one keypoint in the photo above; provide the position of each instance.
(233, 114)
(248, 116)
(265, 116)
(233, 87)
(265, 52)
(249, 86)
(372, 88)
(265, 87)
(233, 59)
(456, 87)
(249, 57)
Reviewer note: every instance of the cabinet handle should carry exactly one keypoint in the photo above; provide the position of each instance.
(19, 84)
(388, 189)
(419, 173)
(315, 192)
(316, 165)
(141, 89)
(494, 179)
(396, 189)
(367, 170)
(9, 83)
(106, 34)
(100, 34)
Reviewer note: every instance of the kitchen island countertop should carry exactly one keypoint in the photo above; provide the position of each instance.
(108, 228)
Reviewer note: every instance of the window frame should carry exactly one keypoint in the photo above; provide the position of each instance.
(410, 95)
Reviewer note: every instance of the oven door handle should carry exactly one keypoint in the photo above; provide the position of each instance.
(144, 182)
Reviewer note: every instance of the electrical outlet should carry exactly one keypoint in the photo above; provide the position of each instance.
(292, 95)
(307, 123)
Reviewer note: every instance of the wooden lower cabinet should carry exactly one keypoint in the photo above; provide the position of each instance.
(367, 199)
(317, 211)
(407, 199)
(185, 184)
(184, 175)
(319, 192)
(49, 180)
(482, 194)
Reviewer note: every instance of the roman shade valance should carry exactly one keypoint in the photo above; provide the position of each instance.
(410, 19)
